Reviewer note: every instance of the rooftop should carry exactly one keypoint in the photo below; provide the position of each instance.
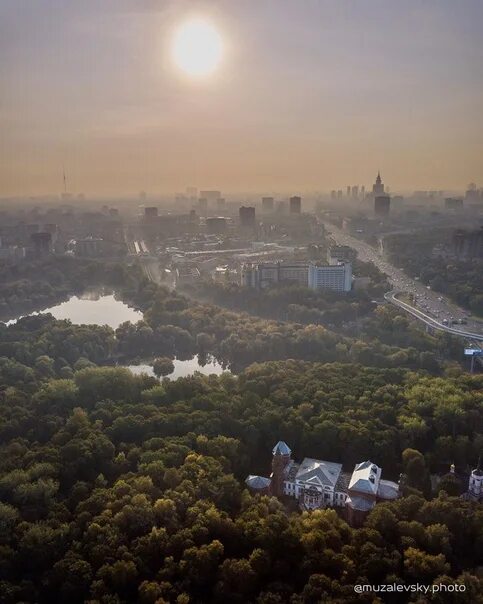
(365, 478)
(360, 503)
(281, 448)
(388, 489)
(318, 472)
(257, 482)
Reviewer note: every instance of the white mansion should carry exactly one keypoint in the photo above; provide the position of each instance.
(318, 484)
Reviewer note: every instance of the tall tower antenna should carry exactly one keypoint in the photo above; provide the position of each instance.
(65, 179)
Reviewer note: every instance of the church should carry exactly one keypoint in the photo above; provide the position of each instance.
(319, 484)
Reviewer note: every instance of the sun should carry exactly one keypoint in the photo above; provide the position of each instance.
(197, 48)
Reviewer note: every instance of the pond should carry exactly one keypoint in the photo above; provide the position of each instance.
(92, 308)
(182, 368)
(99, 308)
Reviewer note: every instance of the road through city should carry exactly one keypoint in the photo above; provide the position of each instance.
(432, 308)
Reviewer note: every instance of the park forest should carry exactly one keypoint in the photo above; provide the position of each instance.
(116, 488)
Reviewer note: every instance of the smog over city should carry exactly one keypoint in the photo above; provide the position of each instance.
(241, 301)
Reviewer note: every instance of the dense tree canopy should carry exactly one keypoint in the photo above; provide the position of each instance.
(118, 488)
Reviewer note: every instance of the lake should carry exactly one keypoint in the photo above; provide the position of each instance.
(92, 308)
(181, 368)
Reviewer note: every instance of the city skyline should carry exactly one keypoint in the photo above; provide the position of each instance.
(307, 100)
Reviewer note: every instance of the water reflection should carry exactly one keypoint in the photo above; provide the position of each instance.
(182, 368)
(92, 308)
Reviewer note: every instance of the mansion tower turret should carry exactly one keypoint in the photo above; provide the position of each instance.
(281, 458)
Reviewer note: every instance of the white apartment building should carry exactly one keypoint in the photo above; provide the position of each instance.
(336, 277)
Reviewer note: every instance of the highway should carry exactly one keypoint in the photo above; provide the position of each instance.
(392, 297)
(432, 308)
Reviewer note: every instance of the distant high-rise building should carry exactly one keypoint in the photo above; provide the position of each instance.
(339, 194)
(210, 195)
(333, 194)
(472, 193)
(452, 203)
(468, 244)
(42, 242)
(221, 203)
(151, 212)
(348, 191)
(247, 216)
(203, 206)
(192, 192)
(363, 191)
(216, 225)
(295, 204)
(267, 204)
(382, 205)
(378, 187)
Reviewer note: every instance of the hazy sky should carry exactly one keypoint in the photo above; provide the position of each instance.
(311, 95)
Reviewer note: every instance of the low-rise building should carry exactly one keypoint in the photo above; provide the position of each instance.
(90, 247)
(186, 274)
(267, 273)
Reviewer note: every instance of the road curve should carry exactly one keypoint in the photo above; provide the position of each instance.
(391, 297)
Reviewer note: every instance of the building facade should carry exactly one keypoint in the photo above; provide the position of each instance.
(265, 274)
(295, 204)
(382, 205)
(335, 277)
(247, 216)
